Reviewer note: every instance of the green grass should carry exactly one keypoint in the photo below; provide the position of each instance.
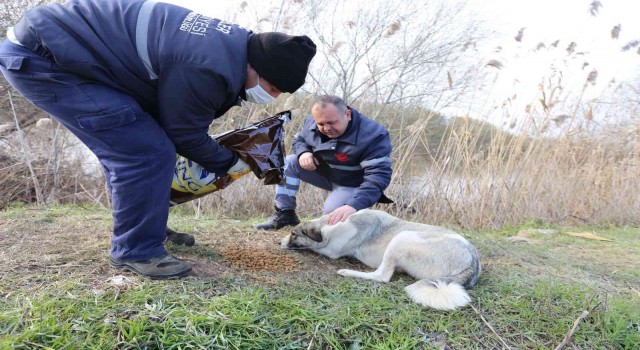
(529, 294)
(530, 313)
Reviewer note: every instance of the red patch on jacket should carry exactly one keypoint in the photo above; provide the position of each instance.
(342, 157)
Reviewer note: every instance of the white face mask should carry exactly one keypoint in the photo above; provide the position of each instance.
(258, 95)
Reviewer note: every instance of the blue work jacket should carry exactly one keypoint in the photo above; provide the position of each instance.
(183, 68)
(360, 158)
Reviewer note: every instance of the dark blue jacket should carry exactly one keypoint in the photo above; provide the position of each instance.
(183, 68)
(360, 158)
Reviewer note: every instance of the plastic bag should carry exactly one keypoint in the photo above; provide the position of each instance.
(260, 145)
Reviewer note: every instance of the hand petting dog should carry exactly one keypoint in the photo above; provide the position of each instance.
(340, 214)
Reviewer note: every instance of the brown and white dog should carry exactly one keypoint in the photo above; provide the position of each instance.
(443, 261)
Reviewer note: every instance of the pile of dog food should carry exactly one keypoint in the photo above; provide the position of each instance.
(257, 259)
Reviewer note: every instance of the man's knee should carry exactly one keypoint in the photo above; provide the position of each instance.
(338, 197)
(292, 166)
(157, 165)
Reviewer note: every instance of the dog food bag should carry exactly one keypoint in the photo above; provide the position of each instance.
(260, 145)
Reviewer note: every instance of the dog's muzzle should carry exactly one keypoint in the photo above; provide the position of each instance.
(287, 244)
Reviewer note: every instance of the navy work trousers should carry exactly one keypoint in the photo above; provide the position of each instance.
(286, 193)
(137, 156)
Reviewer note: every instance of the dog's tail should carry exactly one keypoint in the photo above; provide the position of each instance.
(443, 293)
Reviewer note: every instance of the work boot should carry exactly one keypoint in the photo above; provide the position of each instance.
(160, 268)
(282, 219)
(180, 238)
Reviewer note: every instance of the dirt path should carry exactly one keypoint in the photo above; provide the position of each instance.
(69, 242)
(39, 246)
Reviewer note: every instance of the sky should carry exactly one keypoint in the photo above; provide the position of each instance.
(531, 61)
(545, 21)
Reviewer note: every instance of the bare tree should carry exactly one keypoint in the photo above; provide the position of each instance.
(381, 51)
(391, 52)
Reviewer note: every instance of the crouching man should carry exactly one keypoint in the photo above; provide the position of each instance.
(338, 150)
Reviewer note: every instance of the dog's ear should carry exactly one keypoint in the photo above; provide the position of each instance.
(312, 232)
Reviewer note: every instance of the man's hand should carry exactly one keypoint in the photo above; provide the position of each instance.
(341, 214)
(239, 169)
(308, 161)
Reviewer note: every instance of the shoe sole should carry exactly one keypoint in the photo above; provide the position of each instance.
(126, 267)
(265, 228)
(273, 228)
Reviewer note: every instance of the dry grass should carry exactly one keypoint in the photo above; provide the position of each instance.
(39, 244)
(509, 180)
(472, 175)
(463, 173)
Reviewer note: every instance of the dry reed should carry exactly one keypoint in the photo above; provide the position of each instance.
(465, 173)
(473, 175)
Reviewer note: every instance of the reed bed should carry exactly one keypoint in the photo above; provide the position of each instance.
(457, 172)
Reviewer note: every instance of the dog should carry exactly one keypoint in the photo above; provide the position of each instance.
(443, 261)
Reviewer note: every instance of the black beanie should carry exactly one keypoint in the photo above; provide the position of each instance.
(281, 59)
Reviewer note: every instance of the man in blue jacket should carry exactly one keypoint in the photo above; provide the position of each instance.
(138, 81)
(338, 150)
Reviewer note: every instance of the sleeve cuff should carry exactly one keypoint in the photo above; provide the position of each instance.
(358, 205)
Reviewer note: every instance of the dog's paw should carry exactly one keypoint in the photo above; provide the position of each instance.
(347, 272)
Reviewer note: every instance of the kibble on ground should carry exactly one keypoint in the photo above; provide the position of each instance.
(257, 259)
